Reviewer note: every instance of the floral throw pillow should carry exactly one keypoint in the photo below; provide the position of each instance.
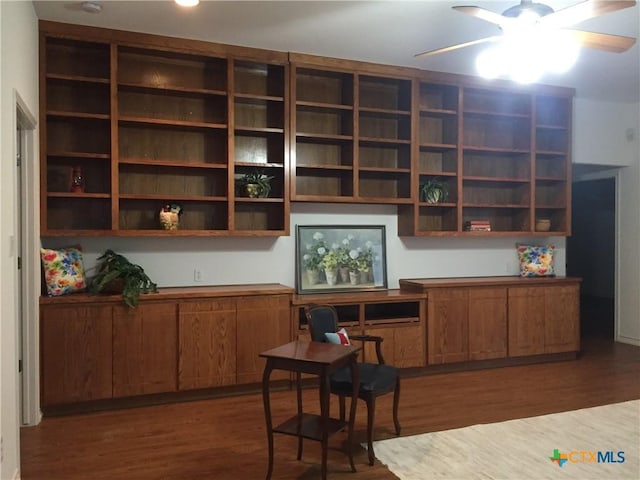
(63, 270)
(535, 260)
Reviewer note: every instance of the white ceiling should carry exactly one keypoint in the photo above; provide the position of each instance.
(388, 32)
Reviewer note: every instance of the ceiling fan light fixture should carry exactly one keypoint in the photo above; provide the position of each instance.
(490, 62)
(187, 3)
(526, 54)
(561, 51)
(526, 70)
(528, 8)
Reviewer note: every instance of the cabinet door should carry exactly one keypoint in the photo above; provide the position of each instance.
(207, 344)
(487, 323)
(448, 334)
(145, 344)
(526, 321)
(76, 354)
(263, 323)
(402, 347)
(562, 322)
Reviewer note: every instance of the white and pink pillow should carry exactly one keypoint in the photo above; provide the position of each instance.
(339, 338)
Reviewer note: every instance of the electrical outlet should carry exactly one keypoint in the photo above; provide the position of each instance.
(197, 275)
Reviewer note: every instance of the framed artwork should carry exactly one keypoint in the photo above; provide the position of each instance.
(335, 258)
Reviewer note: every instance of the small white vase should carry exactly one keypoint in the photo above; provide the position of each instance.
(332, 275)
(344, 274)
(353, 278)
(313, 277)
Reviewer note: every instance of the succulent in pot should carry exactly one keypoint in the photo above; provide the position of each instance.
(115, 273)
(255, 184)
(433, 190)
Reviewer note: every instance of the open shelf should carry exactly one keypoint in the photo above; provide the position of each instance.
(307, 425)
(182, 123)
(503, 155)
(150, 121)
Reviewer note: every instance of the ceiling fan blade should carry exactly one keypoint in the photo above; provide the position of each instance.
(583, 11)
(482, 13)
(458, 46)
(602, 41)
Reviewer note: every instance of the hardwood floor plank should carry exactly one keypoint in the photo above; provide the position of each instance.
(225, 439)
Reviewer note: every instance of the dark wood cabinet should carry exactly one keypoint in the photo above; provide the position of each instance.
(75, 132)
(553, 161)
(448, 325)
(198, 338)
(544, 320)
(562, 319)
(180, 339)
(398, 317)
(208, 344)
(150, 121)
(351, 134)
(487, 323)
(502, 155)
(467, 324)
(491, 318)
(526, 321)
(150, 125)
(144, 349)
(403, 345)
(76, 353)
(263, 322)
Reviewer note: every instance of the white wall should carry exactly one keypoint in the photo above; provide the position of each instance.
(600, 133)
(607, 134)
(171, 262)
(18, 75)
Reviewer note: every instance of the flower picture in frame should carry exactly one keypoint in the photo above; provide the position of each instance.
(340, 258)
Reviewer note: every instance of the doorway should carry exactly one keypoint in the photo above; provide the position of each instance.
(28, 263)
(591, 254)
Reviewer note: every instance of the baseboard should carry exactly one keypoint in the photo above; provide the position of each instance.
(628, 340)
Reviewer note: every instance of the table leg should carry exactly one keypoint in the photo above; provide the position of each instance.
(267, 413)
(324, 416)
(355, 381)
(299, 398)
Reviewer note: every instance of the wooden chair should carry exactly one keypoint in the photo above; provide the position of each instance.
(375, 379)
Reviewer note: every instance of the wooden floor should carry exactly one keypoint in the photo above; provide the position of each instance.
(225, 438)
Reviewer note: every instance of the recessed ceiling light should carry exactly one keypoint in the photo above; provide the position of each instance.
(187, 3)
(91, 7)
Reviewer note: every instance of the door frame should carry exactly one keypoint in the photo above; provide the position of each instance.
(29, 280)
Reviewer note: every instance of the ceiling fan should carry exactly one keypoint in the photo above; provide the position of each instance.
(529, 15)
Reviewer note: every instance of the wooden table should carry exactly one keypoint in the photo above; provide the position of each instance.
(321, 359)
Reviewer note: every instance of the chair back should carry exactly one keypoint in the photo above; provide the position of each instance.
(321, 319)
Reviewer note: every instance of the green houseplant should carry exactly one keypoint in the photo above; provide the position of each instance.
(255, 184)
(117, 274)
(433, 190)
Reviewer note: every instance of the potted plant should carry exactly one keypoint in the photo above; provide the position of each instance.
(255, 184)
(117, 274)
(330, 265)
(313, 256)
(433, 190)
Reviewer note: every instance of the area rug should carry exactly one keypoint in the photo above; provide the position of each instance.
(594, 443)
